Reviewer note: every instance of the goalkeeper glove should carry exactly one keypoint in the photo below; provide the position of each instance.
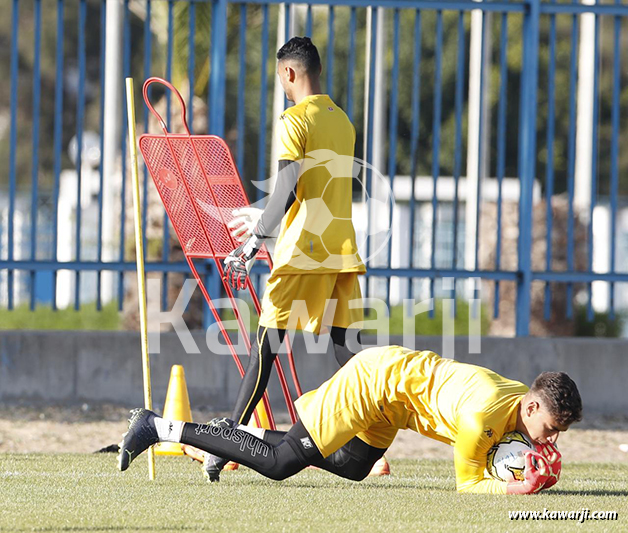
(235, 263)
(244, 222)
(536, 474)
(554, 460)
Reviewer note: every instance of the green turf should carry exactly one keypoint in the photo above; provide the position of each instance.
(87, 493)
(43, 317)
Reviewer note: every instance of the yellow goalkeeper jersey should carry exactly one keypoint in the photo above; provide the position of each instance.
(384, 389)
(317, 234)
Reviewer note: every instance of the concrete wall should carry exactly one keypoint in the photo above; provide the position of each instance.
(73, 367)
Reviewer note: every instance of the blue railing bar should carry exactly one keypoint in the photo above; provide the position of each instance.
(58, 136)
(216, 112)
(35, 141)
(414, 135)
(501, 146)
(571, 155)
(369, 132)
(460, 71)
(330, 53)
(114, 266)
(436, 139)
(598, 9)
(126, 67)
(165, 246)
(287, 20)
(175, 267)
(549, 168)
(392, 130)
(594, 149)
(287, 35)
(481, 127)
(191, 63)
(13, 144)
(581, 277)
(148, 50)
(460, 5)
(308, 21)
(426, 273)
(80, 124)
(527, 159)
(502, 275)
(217, 80)
(241, 89)
(351, 65)
(614, 185)
(169, 53)
(101, 174)
(261, 146)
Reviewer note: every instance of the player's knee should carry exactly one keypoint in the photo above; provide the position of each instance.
(281, 471)
(357, 473)
(278, 474)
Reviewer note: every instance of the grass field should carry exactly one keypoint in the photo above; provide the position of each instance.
(80, 492)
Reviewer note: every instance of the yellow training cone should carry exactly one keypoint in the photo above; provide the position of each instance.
(177, 407)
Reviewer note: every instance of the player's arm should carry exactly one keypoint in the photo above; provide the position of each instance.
(292, 138)
(292, 135)
(470, 451)
(281, 199)
(250, 221)
(279, 202)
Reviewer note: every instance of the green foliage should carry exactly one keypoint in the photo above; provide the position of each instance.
(43, 317)
(423, 324)
(378, 319)
(601, 326)
(86, 493)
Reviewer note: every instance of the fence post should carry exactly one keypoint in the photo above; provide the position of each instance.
(218, 67)
(527, 162)
(216, 126)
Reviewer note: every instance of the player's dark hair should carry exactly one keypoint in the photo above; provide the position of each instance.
(301, 49)
(560, 395)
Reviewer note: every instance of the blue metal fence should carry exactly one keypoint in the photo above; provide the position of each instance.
(222, 51)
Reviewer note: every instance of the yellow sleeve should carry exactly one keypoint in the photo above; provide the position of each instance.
(292, 136)
(470, 451)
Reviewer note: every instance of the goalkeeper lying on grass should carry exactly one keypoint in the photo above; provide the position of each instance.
(350, 420)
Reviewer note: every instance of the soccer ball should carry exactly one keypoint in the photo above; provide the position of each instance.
(506, 460)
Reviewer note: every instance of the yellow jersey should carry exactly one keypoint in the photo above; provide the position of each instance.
(384, 389)
(317, 234)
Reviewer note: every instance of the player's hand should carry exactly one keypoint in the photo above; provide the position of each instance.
(554, 460)
(236, 271)
(536, 474)
(244, 222)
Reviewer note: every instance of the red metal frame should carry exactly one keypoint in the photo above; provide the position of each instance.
(199, 185)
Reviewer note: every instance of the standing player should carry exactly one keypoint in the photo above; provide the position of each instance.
(309, 268)
(350, 420)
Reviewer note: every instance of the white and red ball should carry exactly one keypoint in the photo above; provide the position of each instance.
(506, 460)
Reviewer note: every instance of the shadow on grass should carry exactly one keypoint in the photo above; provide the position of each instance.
(107, 528)
(333, 483)
(590, 492)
